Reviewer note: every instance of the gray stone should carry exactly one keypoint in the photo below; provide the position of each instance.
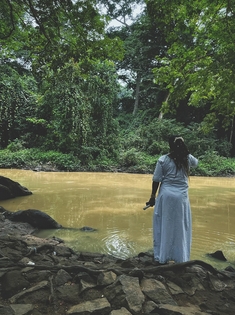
(39, 286)
(22, 309)
(106, 278)
(133, 294)
(83, 276)
(38, 276)
(115, 294)
(165, 309)
(86, 285)
(68, 293)
(156, 291)
(149, 306)
(98, 306)
(216, 284)
(13, 283)
(125, 291)
(174, 288)
(6, 310)
(62, 277)
(121, 311)
(63, 251)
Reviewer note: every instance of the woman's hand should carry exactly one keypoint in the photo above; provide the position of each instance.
(151, 202)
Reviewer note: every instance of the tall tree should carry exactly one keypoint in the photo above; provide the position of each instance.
(199, 64)
(143, 40)
(18, 96)
(78, 110)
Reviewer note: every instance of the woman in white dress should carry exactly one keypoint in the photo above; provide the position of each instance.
(172, 223)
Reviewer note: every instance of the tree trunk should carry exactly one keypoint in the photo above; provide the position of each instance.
(231, 133)
(166, 100)
(137, 92)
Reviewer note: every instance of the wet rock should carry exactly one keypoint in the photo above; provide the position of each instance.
(218, 255)
(156, 291)
(6, 310)
(87, 229)
(126, 291)
(106, 278)
(121, 311)
(22, 309)
(68, 293)
(35, 218)
(11, 189)
(62, 277)
(179, 310)
(35, 281)
(98, 306)
(13, 282)
(36, 293)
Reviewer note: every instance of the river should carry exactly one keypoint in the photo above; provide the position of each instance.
(113, 204)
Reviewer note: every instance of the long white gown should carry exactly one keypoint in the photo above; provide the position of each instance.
(172, 223)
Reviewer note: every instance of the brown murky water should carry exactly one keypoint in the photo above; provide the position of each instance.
(112, 203)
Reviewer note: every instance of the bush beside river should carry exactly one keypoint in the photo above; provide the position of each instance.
(131, 161)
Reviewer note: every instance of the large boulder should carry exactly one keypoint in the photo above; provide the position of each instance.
(11, 189)
(35, 218)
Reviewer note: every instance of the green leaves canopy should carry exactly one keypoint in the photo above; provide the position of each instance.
(199, 64)
(51, 33)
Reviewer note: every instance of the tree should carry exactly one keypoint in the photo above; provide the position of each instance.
(49, 33)
(142, 42)
(78, 109)
(198, 65)
(18, 96)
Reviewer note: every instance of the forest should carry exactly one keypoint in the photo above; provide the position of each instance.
(100, 85)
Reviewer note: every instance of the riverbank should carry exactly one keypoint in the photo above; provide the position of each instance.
(43, 276)
(138, 163)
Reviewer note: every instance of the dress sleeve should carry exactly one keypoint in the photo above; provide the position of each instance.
(193, 162)
(158, 172)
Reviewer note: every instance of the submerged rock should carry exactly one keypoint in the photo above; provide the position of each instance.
(36, 218)
(218, 255)
(11, 189)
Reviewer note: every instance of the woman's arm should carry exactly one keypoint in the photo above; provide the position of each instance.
(151, 201)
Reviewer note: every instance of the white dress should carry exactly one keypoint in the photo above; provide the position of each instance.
(172, 223)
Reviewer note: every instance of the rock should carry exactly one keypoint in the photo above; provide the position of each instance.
(156, 291)
(13, 283)
(62, 277)
(87, 229)
(6, 310)
(22, 309)
(32, 294)
(35, 281)
(68, 293)
(218, 255)
(121, 311)
(180, 310)
(35, 218)
(106, 278)
(98, 306)
(126, 291)
(11, 189)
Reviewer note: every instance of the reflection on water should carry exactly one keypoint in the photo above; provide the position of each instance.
(112, 203)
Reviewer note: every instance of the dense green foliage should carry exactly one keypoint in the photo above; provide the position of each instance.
(80, 95)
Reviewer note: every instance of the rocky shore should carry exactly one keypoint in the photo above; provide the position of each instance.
(43, 276)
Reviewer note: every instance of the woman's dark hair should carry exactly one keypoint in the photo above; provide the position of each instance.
(179, 153)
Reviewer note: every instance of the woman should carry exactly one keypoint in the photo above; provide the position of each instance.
(172, 224)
